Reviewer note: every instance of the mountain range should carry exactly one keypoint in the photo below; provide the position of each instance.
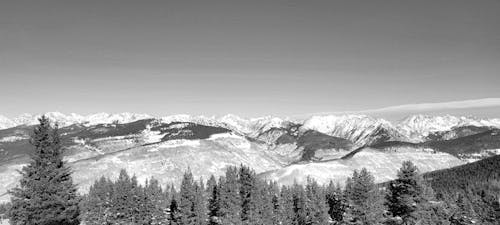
(282, 149)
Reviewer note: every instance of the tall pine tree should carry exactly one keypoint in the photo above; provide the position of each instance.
(411, 200)
(46, 194)
(97, 203)
(316, 208)
(364, 200)
(213, 191)
(230, 200)
(336, 202)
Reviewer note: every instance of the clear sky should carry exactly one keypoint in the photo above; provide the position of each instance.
(250, 58)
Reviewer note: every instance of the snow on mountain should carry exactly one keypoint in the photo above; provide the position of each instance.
(359, 129)
(6, 122)
(120, 118)
(24, 119)
(235, 123)
(202, 120)
(66, 120)
(418, 127)
(382, 165)
(251, 127)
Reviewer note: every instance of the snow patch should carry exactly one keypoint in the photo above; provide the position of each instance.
(179, 143)
(13, 138)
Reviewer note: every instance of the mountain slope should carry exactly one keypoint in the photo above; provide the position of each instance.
(322, 147)
(470, 148)
(472, 189)
(419, 127)
(383, 165)
(166, 160)
(360, 129)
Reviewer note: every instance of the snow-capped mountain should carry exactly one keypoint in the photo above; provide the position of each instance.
(203, 120)
(359, 129)
(418, 127)
(326, 147)
(66, 120)
(6, 122)
(101, 118)
(251, 127)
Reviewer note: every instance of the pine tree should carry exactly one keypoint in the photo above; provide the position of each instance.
(174, 212)
(274, 192)
(247, 182)
(412, 200)
(260, 206)
(97, 203)
(335, 202)
(199, 206)
(299, 205)
(121, 210)
(316, 208)
(159, 202)
(142, 206)
(463, 213)
(230, 200)
(213, 190)
(286, 213)
(364, 200)
(187, 200)
(404, 193)
(46, 194)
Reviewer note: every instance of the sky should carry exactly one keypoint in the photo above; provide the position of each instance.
(250, 58)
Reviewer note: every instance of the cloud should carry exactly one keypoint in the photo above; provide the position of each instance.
(408, 109)
(466, 104)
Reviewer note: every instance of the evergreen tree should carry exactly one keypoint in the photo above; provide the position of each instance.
(274, 192)
(97, 203)
(463, 212)
(187, 200)
(316, 208)
(230, 200)
(46, 194)
(412, 200)
(213, 190)
(142, 207)
(405, 193)
(287, 212)
(199, 206)
(335, 202)
(261, 207)
(121, 210)
(158, 200)
(299, 205)
(174, 213)
(247, 182)
(364, 200)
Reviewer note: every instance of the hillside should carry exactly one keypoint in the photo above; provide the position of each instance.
(457, 178)
(473, 188)
(383, 165)
(329, 147)
(470, 148)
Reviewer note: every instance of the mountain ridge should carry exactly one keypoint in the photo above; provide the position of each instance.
(280, 149)
(414, 128)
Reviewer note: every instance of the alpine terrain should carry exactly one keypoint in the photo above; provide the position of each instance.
(280, 149)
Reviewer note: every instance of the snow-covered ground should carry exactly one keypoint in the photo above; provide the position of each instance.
(384, 166)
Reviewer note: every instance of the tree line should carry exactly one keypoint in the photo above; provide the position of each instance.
(46, 195)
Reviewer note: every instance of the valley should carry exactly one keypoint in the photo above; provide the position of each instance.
(287, 151)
